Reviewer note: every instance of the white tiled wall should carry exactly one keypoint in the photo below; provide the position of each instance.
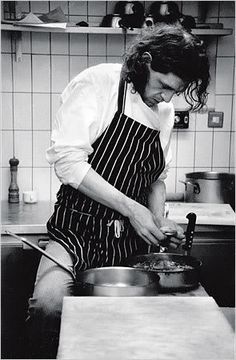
(31, 91)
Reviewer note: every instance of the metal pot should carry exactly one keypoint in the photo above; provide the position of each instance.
(116, 281)
(210, 187)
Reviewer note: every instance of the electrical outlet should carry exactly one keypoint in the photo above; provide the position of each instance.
(215, 119)
(181, 120)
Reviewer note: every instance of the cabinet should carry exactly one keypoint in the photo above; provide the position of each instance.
(218, 268)
(214, 246)
(18, 270)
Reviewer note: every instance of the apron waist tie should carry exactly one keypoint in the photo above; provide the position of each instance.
(118, 226)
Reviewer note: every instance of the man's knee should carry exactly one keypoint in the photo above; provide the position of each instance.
(47, 299)
(46, 305)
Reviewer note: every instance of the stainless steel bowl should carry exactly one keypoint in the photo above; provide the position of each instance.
(117, 281)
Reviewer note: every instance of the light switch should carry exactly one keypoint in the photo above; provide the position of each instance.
(215, 119)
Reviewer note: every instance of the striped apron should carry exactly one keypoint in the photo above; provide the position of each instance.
(129, 156)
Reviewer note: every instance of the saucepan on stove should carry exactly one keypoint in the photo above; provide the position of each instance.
(176, 272)
(106, 281)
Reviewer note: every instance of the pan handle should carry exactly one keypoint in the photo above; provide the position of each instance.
(196, 186)
(189, 233)
(41, 251)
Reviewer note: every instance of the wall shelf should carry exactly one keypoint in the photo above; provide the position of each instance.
(103, 30)
(17, 32)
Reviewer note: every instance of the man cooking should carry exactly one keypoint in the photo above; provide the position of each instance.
(111, 151)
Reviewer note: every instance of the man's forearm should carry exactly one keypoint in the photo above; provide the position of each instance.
(141, 219)
(94, 186)
(157, 198)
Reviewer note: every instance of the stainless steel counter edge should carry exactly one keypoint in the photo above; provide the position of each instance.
(38, 229)
(24, 229)
(38, 233)
(31, 219)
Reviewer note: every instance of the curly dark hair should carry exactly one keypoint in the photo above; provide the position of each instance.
(173, 50)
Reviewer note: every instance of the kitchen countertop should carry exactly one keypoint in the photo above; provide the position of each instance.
(207, 214)
(31, 218)
(140, 328)
(24, 218)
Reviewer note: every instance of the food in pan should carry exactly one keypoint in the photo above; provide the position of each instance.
(162, 265)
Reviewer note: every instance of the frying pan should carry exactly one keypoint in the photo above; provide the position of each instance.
(183, 278)
(174, 280)
(106, 281)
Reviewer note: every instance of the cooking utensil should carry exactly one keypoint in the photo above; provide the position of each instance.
(181, 278)
(117, 281)
(178, 279)
(210, 187)
(22, 239)
(106, 281)
(189, 233)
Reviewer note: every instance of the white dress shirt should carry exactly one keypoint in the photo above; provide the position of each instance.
(88, 105)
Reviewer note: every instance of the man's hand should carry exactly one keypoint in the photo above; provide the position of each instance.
(174, 232)
(145, 223)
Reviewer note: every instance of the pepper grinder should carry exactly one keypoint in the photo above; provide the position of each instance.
(13, 191)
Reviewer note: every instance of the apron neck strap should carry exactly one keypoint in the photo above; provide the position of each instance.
(122, 94)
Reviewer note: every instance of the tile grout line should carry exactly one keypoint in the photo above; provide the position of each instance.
(32, 110)
(41, 92)
(106, 39)
(195, 143)
(51, 112)
(12, 97)
(216, 58)
(87, 35)
(176, 157)
(231, 123)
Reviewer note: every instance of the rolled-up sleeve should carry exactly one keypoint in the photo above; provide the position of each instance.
(167, 114)
(74, 129)
(168, 159)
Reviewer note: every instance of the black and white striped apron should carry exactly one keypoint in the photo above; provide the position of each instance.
(129, 156)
